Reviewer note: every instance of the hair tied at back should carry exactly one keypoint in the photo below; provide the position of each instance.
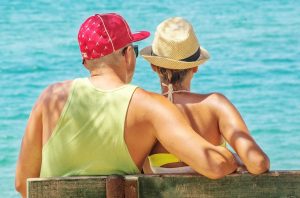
(170, 91)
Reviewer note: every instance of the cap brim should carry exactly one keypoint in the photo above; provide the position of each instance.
(171, 63)
(141, 35)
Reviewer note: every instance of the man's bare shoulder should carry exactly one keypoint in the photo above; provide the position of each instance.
(147, 103)
(55, 92)
(142, 92)
(59, 87)
(148, 98)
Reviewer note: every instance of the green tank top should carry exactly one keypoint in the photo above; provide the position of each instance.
(89, 136)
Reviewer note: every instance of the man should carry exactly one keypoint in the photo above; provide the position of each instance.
(102, 125)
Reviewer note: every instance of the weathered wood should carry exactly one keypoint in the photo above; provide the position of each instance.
(66, 187)
(273, 184)
(115, 187)
(131, 187)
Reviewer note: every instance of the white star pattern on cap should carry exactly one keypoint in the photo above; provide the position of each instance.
(86, 32)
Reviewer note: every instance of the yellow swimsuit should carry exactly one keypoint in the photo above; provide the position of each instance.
(159, 159)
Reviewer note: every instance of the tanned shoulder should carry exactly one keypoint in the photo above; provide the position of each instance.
(150, 100)
(53, 92)
(218, 97)
(155, 106)
(218, 100)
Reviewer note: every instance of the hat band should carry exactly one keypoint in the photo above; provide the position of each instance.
(191, 58)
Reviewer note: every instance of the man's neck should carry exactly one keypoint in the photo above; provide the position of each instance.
(106, 78)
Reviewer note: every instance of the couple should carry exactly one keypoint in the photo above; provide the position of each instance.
(104, 125)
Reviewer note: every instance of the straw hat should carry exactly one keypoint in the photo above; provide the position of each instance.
(175, 46)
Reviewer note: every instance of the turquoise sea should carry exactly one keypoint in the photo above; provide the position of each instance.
(255, 62)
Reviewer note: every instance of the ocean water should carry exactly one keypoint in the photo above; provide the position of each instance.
(255, 62)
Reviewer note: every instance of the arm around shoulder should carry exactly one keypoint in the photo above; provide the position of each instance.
(175, 134)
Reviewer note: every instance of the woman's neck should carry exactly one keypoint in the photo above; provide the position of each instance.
(176, 87)
(169, 90)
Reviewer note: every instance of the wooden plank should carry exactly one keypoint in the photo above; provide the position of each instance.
(66, 187)
(273, 184)
(131, 190)
(115, 186)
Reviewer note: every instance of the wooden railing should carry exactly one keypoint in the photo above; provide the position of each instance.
(272, 184)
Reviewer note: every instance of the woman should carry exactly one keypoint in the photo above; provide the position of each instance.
(175, 55)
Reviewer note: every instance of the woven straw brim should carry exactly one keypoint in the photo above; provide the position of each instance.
(172, 63)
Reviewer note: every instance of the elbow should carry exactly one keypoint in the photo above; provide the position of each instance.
(216, 175)
(260, 165)
(20, 187)
(226, 164)
(221, 169)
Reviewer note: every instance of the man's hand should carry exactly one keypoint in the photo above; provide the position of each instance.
(241, 166)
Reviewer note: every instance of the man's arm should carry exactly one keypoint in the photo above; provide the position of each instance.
(30, 157)
(175, 134)
(234, 130)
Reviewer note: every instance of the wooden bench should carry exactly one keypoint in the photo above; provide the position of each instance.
(272, 184)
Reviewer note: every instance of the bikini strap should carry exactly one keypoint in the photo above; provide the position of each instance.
(170, 91)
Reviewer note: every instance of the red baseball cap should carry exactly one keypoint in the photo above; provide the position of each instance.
(102, 34)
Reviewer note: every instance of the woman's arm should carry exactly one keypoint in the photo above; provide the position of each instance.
(235, 131)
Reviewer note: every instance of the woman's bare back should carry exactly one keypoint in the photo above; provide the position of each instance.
(199, 111)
